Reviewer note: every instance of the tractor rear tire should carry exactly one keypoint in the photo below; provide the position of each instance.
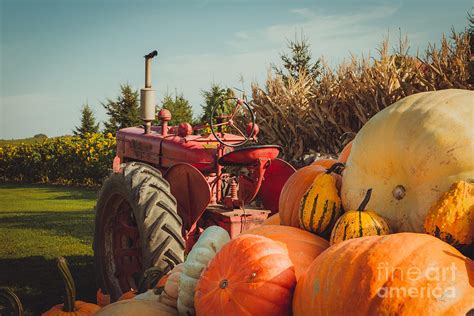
(136, 227)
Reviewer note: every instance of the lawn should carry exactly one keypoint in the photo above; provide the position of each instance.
(37, 224)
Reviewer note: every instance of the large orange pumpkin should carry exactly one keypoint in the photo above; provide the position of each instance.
(251, 275)
(325, 163)
(272, 220)
(398, 274)
(344, 155)
(137, 307)
(303, 247)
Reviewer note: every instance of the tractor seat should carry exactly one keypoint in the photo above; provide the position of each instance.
(249, 155)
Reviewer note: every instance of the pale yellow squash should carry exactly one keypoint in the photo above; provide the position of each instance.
(410, 153)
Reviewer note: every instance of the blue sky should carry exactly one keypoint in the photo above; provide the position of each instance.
(57, 55)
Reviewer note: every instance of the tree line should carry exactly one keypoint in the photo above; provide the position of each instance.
(124, 111)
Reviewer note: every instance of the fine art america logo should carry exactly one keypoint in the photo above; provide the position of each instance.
(437, 282)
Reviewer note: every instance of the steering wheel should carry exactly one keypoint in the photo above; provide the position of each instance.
(228, 120)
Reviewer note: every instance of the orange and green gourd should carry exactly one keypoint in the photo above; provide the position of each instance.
(451, 218)
(321, 205)
(359, 223)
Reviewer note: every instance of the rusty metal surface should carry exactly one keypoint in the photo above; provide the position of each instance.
(192, 193)
(274, 179)
(234, 221)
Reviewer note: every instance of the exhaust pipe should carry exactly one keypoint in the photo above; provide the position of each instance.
(148, 95)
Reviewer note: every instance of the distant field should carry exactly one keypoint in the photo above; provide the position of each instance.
(30, 140)
(37, 224)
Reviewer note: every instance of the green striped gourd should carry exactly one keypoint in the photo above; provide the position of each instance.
(321, 205)
(359, 223)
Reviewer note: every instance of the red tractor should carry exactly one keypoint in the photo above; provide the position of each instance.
(171, 182)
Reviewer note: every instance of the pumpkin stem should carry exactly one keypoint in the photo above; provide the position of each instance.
(336, 168)
(13, 303)
(70, 297)
(223, 284)
(365, 201)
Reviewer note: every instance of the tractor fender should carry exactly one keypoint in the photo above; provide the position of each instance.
(274, 179)
(191, 191)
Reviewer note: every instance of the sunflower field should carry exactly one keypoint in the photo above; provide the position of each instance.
(63, 160)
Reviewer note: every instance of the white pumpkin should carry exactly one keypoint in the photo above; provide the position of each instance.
(209, 243)
(409, 154)
(169, 296)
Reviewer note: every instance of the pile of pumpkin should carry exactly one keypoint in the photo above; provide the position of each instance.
(375, 232)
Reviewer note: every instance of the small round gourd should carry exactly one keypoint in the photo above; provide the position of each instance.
(359, 223)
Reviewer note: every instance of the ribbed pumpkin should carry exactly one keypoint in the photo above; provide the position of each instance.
(402, 274)
(344, 155)
(272, 220)
(359, 223)
(325, 163)
(137, 307)
(70, 306)
(293, 191)
(451, 218)
(169, 296)
(321, 205)
(410, 153)
(251, 275)
(303, 247)
(210, 242)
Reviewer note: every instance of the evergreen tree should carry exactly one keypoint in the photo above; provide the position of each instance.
(297, 61)
(124, 111)
(179, 107)
(88, 123)
(216, 96)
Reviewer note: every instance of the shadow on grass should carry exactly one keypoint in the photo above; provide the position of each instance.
(37, 281)
(70, 192)
(78, 224)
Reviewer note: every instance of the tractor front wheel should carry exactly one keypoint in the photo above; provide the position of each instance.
(136, 227)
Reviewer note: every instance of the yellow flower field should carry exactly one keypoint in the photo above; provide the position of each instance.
(67, 160)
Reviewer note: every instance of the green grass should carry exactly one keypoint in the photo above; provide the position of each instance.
(37, 224)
